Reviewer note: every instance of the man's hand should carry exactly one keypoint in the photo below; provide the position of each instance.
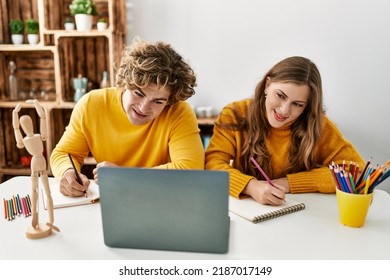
(101, 164)
(69, 185)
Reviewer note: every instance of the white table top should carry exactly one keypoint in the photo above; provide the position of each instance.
(314, 233)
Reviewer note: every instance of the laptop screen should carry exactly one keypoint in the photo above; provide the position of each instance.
(180, 210)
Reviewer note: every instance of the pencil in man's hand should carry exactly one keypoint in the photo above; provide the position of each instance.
(77, 174)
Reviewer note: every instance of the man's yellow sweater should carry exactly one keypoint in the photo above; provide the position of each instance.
(226, 145)
(100, 125)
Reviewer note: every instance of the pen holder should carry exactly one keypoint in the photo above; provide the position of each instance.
(353, 208)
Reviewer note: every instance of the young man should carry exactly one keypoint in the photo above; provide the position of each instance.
(142, 122)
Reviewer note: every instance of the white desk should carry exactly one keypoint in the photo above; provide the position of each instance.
(314, 233)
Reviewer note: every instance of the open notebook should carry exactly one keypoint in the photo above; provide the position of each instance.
(255, 212)
(60, 201)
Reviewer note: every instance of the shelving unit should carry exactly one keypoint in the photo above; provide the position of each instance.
(44, 71)
(206, 126)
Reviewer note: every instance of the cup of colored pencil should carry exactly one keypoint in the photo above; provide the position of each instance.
(354, 189)
(348, 178)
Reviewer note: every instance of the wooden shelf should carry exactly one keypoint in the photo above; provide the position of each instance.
(45, 71)
(207, 121)
(26, 47)
(75, 33)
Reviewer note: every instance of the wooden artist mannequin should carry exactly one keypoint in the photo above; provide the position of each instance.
(34, 145)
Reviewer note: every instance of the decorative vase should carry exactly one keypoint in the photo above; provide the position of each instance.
(80, 87)
(13, 82)
(17, 39)
(101, 26)
(69, 26)
(33, 39)
(83, 22)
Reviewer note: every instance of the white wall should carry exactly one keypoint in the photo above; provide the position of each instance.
(232, 43)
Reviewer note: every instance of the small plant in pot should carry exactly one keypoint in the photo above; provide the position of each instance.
(83, 10)
(69, 24)
(32, 28)
(101, 24)
(16, 27)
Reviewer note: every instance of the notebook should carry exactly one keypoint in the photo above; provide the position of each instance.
(255, 212)
(176, 210)
(60, 200)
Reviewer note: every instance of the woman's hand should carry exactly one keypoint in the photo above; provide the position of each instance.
(264, 193)
(282, 183)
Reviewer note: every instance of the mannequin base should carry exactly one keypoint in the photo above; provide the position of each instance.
(41, 231)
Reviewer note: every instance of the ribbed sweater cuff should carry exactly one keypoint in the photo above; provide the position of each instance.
(238, 183)
(317, 180)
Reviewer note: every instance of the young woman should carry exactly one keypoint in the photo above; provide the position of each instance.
(284, 128)
(142, 122)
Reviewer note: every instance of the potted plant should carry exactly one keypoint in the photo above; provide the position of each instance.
(17, 27)
(69, 24)
(32, 29)
(83, 10)
(101, 24)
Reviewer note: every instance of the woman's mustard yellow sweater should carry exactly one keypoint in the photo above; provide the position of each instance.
(226, 145)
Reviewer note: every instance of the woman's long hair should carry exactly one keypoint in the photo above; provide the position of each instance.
(305, 130)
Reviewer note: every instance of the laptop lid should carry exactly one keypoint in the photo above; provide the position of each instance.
(178, 210)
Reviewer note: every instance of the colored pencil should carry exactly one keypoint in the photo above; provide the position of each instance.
(368, 172)
(360, 179)
(28, 200)
(355, 173)
(367, 185)
(10, 212)
(24, 207)
(28, 213)
(352, 182)
(262, 172)
(14, 205)
(334, 177)
(351, 168)
(5, 209)
(18, 204)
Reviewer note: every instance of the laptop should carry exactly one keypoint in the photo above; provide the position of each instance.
(176, 210)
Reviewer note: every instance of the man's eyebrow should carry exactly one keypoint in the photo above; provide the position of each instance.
(156, 99)
(140, 90)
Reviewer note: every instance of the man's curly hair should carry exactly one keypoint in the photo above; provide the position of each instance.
(144, 63)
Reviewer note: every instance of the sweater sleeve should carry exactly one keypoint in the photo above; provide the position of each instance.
(185, 145)
(316, 180)
(332, 147)
(72, 142)
(223, 153)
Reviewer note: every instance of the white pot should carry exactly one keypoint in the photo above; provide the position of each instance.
(33, 39)
(17, 39)
(69, 26)
(101, 26)
(83, 22)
